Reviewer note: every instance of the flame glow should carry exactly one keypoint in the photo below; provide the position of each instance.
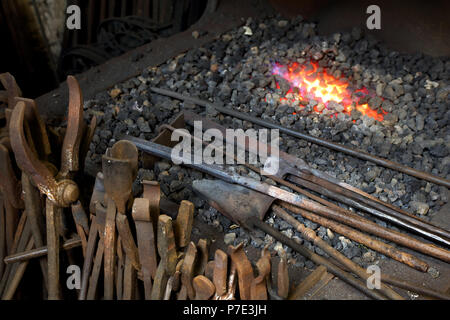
(324, 88)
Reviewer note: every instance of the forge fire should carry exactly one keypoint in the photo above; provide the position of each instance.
(329, 94)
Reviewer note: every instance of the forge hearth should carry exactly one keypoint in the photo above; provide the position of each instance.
(394, 105)
(345, 87)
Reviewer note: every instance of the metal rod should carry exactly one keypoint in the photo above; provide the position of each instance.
(356, 204)
(354, 220)
(275, 192)
(395, 213)
(310, 235)
(376, 245)
(322, 142)
(414, 288)
(18, 274)
(40, 252)
(23, 233)
(357, 236)
(290, 165)
(338, 272)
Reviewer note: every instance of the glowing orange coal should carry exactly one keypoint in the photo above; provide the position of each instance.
(313, 84)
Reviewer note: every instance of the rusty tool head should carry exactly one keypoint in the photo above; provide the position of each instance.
(259, 285)
(232, 198)
(63, 192)
(74, 132)
(119, 167)
(12, 90)
(220, 272)
(187, 270)
(204, 288)
(236, 202)
(244, 270)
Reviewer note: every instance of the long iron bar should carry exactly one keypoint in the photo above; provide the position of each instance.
(332, 268)
(360, 237)
(379, 246)
(356, 204)
(414, 288)
(352, 219)
(405, 216)
(40, 252)
(294, 166)
(349, 263)
(325, 143)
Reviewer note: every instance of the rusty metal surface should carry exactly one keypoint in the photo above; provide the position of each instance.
(14, 282)
(129, 280)
(152, 192)
(353, 234)
(343, 275)
(220, 272)
(202, 256)
(204, 288)
(244, 270)
(109, 249)
(33, 210)
(42, 251)
(146, 243)
(354, 220)
(187, 270)
(88, 258)
(163, 138)
(30, 143)
(53, 230)
(29, 162)
(258, 289)
(283, 276)
(183, 223)
(166, 244)
(397, 216)
(286, 166)
(22, 233)
(127, 240)
(236, 202)
(160, 283)
(310, 235)
(98, 194)
(96, 268)
(119, 167)
(74, 132)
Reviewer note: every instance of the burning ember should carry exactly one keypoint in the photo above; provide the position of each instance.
(334, 94)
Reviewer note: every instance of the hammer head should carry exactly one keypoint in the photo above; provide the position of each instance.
(237, 203)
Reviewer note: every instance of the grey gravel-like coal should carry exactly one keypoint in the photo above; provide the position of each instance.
(235, 71)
